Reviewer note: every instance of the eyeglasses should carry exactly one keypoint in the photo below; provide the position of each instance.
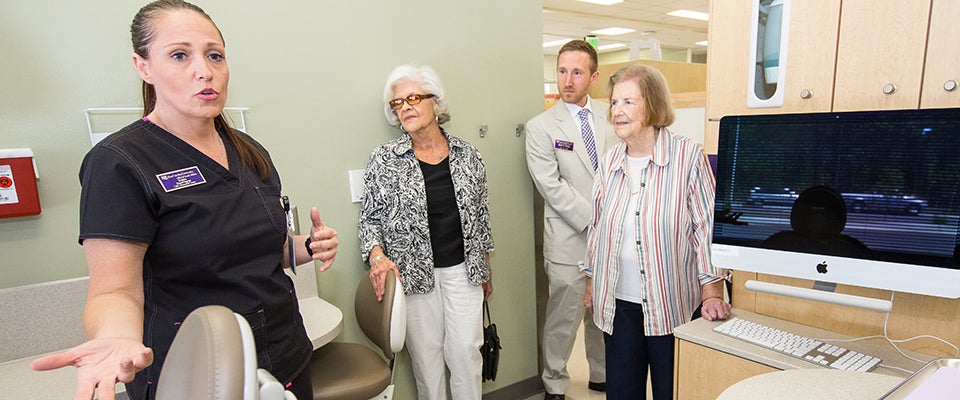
(412, 100)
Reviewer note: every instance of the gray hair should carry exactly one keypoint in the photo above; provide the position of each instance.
(428, 79)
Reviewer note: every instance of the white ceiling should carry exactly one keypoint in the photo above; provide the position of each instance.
(569, 19)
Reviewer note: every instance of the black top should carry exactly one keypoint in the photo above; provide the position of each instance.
(215, 236)
(446, 233)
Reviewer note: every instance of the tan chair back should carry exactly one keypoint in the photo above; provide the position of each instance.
(205, 360)
(376, 317)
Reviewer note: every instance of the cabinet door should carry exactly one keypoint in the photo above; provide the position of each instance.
(703, 373)
(727, 60)
(811, 57)
(941, 74)
(880, 54)
(808, 82)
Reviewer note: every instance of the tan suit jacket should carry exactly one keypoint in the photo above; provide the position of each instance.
(565, 177)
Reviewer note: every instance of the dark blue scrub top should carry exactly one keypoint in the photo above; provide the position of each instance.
(215, 236)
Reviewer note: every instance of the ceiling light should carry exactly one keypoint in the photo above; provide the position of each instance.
(612, 31)
(555, 42)
(701, 43)
(602, 2)
(690, 14)
(611, 46)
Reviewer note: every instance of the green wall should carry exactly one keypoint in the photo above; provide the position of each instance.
(312, 74)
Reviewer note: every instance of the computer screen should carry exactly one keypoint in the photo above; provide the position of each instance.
(864, 198)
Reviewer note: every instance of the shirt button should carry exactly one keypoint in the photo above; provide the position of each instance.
(638, 213)
(643, 184)
(638, 242)
(642, 272)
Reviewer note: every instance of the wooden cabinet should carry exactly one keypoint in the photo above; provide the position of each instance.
(848, 55)
(808, 76)
(911, 45)
(880, 54)
(727, 60)
(810, 62)
(941, 72)
(703, 373)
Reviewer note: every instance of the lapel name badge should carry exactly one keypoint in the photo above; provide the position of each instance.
(563, 145)
(181, 179)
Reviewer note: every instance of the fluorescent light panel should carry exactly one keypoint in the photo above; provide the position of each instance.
(613, 31)
(701, 43)
(690, 14)
(611, 46)
(602, 2)
(555, 42)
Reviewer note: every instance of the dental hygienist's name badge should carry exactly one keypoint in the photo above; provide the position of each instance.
(563, 145)
(181, 179)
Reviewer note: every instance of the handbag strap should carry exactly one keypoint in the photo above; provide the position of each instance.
(486, 311)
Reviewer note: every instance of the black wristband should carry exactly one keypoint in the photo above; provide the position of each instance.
(307, 245)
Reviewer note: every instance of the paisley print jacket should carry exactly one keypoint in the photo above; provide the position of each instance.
(394, 211)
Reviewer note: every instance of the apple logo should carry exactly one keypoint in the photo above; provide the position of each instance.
(822, 267)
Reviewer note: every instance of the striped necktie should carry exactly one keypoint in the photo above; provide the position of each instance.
(587, 133)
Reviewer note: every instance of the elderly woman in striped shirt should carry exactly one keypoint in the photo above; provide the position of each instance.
(648, 247)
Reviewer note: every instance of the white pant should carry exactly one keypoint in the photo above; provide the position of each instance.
(445, 331)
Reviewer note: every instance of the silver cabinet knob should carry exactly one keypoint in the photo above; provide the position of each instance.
(806, 94)
(889, 88)
(950, 85)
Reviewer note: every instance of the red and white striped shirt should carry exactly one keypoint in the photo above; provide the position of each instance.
(674, 221)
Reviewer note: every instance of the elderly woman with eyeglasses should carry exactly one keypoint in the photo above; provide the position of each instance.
(425, 215)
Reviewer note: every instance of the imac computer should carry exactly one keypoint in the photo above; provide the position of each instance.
(870, 199)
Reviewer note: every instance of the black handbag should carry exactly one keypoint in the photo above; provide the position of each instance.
(490, 351)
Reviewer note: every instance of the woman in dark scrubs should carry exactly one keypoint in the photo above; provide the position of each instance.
(180, 211)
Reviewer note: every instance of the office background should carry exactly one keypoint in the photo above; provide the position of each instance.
(312, 74)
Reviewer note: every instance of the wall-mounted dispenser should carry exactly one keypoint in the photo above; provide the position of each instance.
(18, 183)
(768, 56)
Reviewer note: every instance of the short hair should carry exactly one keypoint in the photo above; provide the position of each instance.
(427, 78)
(653, 86)
(582, 45)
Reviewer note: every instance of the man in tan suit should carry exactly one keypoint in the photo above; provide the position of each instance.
(564, 144)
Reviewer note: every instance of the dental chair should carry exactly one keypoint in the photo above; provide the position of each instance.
(214, 357)
(353, 371)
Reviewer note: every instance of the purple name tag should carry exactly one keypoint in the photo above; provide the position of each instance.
(181, 178)
(563, 145)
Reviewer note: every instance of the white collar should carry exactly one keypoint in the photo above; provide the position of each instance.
(575, 108)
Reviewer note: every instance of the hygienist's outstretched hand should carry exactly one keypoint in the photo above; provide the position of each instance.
(101, 363)
(324, 241)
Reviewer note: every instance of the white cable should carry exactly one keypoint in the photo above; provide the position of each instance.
(896, 368)
(893, 342)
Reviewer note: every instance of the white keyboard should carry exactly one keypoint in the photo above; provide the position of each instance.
(804, 348)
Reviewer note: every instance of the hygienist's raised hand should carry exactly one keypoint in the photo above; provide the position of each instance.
(324, 241)
(101, 363)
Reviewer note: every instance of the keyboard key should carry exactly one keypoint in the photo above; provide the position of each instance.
(807, 349)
